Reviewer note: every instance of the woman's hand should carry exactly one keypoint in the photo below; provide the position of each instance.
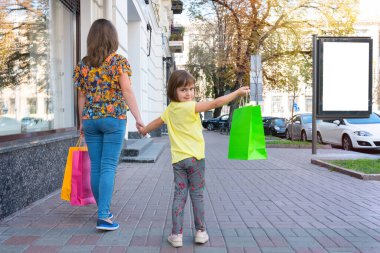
(141, 130)
(139, 123)
(81, 132)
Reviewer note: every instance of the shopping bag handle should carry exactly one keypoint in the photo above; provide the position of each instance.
(244, 100)
(81, 142)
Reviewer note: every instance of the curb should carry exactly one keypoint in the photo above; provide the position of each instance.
(268, 145)
(345, 171)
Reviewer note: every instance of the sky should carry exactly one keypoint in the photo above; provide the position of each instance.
(370, 8)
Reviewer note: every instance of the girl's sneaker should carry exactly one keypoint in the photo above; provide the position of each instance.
(175, 240)
(201, 237)
(106, 225)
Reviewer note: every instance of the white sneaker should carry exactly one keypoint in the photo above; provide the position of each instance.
(175, 240)
(201, 236)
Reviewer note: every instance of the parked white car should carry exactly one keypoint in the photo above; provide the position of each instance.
(353, 133)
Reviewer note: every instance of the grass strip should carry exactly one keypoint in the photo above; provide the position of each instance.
(290, 143)
(367, 166)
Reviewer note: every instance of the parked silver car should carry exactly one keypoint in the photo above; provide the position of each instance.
(299, 127)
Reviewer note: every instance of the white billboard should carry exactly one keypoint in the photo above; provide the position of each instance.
(344, 77)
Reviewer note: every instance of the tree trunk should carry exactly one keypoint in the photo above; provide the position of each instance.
(217, 112)
(291, 117)
(235, 104)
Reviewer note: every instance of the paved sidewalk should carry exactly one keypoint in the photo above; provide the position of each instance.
(280, 205)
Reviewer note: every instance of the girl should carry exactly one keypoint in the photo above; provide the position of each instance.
(102, 78)
(187, 149)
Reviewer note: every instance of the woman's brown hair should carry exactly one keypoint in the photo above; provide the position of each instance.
(179, 78)
(102, 40)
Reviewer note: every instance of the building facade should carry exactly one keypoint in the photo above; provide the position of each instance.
(42, 40)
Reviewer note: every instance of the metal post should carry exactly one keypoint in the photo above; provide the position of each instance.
(315, 81)
(257, 90)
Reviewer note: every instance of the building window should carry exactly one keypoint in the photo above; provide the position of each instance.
(32, 106)
(36, 66)
(277, 104)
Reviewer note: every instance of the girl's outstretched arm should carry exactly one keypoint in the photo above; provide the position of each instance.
(220, 101)
(151, 126)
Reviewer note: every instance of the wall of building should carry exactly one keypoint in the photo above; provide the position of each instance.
(30, 171)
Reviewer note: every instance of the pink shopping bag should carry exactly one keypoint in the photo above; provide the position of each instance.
(81, 193)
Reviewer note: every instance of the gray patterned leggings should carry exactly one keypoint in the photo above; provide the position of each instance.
(189, 176)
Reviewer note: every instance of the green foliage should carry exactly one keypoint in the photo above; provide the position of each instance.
(280, 31)
(203, 65)
(177, 33)
(209, 59)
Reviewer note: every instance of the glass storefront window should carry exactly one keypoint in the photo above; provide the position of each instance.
(36, 66)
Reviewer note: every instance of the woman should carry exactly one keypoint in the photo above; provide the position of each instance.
(105, 92)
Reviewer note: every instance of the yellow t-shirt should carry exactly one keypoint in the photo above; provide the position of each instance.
(185, 131)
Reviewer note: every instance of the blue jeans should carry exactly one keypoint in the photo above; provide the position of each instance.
(104, 138)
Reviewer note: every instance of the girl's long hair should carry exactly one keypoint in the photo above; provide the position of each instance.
(102, 40)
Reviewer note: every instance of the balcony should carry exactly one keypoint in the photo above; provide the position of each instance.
(176, 46)
(176, 43)
(177, 6)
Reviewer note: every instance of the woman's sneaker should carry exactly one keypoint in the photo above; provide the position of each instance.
(175, 240)
(106, 225)
(201, 237)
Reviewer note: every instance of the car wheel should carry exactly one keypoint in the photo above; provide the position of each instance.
(210, 127)
(287, 135)
(303, 136)
(346, 143)
(319, 138)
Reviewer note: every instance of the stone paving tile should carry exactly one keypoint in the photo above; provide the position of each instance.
(252, 250)
(277, 250)
(133, 249)
(21, 240)
(209, 250)
(51, 240)
(282, 204)
(235, 250)
(76, 249)
(12, 248)
(42, 249)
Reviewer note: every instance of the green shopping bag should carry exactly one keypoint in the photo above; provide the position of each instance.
(247, 140)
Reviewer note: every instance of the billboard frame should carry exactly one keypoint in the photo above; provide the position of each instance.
(324, 114)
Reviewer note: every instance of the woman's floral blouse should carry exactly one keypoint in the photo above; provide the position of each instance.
(101, 87)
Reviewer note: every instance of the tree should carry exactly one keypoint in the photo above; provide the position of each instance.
(209, 57)
(376, 99)
(279, 30)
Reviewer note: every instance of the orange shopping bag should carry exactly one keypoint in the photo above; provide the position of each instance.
(66, 184)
